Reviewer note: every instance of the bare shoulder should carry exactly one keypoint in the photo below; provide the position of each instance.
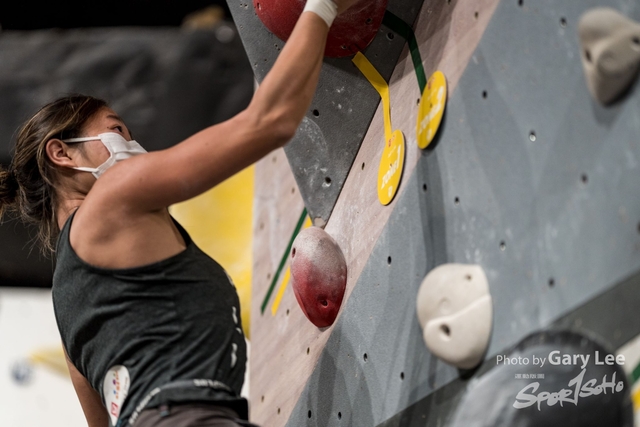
(110, 235)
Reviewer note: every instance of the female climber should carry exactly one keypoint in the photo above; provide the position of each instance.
(149, 323)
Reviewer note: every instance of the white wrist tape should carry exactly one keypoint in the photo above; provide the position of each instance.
(325, 9)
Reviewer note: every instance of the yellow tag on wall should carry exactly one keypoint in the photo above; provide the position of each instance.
(431, 109)
(391, 166)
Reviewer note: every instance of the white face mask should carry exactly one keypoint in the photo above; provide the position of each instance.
(119, 148)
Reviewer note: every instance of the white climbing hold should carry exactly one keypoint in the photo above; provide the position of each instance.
(455, 311)
(610, 52)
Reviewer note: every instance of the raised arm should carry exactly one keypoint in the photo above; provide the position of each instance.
(161, 178)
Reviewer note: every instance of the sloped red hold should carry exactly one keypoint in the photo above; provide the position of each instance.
(318, 275)
(351, 31)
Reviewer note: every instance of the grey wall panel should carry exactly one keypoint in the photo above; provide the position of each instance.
(553, 219)
(325, 145)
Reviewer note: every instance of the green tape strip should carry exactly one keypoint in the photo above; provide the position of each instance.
(283, 261)
(636, 373)
(396, 24)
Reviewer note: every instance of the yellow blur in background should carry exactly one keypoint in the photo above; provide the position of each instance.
(220, 222)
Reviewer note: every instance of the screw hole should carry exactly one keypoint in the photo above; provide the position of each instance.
(327, 180)
(293, 252)
(587, 55)
(307, 350)
(339, 415)
(475, 15)
(402, 375)
(503, 246)
(368, 21)
(484, 94)
(268, 276)
(520, 3)
(532, 136)
(287, 311)
(456, 200)
(468, 277)
(445, 330)
(324, 303)
(309, 413)
(418, 101)
(262, 399)
(278, 411)
(362, 165)
(424, 187)
(365, 357)
(552, 282)
(259, 7)
(563, 22)
(584, 178)
(390, 36)
(389, 260)
(316, 113)
(293, 190)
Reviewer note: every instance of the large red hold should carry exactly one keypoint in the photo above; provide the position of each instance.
(318, 275)
(351, 31)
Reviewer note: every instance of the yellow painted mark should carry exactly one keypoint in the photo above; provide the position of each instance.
(220, 223)
(283, 286)
(52, 358)
(431, 109)
(636, 400)
(286, 278)
(378, 82)
(390, 169)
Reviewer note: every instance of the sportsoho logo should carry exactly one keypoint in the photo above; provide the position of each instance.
(576, 389)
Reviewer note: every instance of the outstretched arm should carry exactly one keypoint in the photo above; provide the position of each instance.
(161, 178)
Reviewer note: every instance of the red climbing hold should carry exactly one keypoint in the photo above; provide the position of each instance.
(351, 31)
(318, 275)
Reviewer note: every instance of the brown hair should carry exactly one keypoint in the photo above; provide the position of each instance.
(27, 186)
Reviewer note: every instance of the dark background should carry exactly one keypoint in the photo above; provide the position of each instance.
(167, 82)
(35, 15)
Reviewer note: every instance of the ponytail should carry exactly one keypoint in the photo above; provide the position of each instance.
(8, 190)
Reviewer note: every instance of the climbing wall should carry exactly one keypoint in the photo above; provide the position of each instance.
(528, 177)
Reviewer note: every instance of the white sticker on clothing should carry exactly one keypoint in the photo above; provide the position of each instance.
(115, 389)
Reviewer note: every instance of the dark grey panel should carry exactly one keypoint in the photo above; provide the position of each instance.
(553, 219)
(328, 140)
(166, 83)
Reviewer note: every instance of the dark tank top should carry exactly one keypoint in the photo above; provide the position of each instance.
(163, 333)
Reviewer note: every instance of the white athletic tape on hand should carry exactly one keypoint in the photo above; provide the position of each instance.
(325, 9)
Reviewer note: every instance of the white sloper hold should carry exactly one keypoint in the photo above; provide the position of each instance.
(610, 54)
(455, 313)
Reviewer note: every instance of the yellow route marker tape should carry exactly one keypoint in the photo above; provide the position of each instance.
(285, 279)
(431, 109)
(392, 160)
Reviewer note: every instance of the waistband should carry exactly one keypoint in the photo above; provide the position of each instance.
(200, 383)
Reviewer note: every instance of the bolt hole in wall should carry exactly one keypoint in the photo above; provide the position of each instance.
(503, 246)
(293, 252)
(362, 165)
(368, 21)
(316, 113)
(309, 413)
(365, 357)
(456, 200)
(520, 2)
(584, 178)
(552, 282)
(445, 330)
(475, 15)
(424, 187)
(563, 22)
(635, 42)
(587, 55)
(390, 36)
(327, 181)
(339, 415)
(402, 375)
(484, 94)
(389, 260)
(532, 136)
